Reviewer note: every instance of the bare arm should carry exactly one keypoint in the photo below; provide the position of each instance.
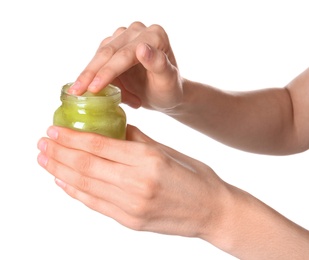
(141, 62)
(270, 121)
(252, 230)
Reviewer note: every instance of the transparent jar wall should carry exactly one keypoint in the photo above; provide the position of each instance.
(97, 113)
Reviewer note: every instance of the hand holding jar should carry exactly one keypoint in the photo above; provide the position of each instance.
(147, 186)
(140, 183)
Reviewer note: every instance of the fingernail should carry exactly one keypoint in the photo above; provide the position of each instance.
(60, 183)
(52, 133)
(147, 53)
(42, 145)
(42, 160)
(75, 88)
(95, 84)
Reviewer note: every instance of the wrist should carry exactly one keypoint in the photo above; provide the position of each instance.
(183, 104)
(224, 213)
(234, 220)
(249, 229)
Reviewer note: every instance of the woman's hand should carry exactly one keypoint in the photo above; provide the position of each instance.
(140, 61)
(138, 182)
(147, 186)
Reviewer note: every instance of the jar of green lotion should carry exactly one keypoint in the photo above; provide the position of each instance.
(97, 113)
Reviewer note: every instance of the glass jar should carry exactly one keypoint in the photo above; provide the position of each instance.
(97, 113)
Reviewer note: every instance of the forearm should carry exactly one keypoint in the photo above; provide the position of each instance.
(252, 230)
(256, 121)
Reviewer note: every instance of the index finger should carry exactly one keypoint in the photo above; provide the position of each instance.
(122, 151)
(107, 49)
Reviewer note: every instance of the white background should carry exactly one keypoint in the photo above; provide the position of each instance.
(236, 45)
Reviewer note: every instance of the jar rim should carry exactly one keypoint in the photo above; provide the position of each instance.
(110, 91)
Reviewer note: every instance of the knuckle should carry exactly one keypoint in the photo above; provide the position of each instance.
(119, 30)
(107, 51)
(83, 162)
(162, 62)
(105, 41)
(137, 224)
(157, 159)
(159, 31)
(54, 151)
(139, 209)
(148, 187)
(126, 52)
(158, 35)
(86, 74)
(83, 184)
(91, 202)
(97, 144)
(133, 223)
(53, 167)
(156, 28)
(137, 26)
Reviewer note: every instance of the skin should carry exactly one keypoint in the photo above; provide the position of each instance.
(145, 185)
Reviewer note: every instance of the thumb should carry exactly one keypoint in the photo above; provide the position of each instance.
(154, 60)
(134, 134)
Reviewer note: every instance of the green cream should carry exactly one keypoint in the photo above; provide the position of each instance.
(97, 113)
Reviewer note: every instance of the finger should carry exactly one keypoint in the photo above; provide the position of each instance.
(119, 31)
(93, 187)
(83, 80)
(84, 163)
(116, 62)
(126, 96)
(125, 57)
(105, 52)
(152, 59)
(134, 134)
(158, 63)
(102, 206)
(122, 151)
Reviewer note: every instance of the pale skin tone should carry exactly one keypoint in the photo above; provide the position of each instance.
(145, 185)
